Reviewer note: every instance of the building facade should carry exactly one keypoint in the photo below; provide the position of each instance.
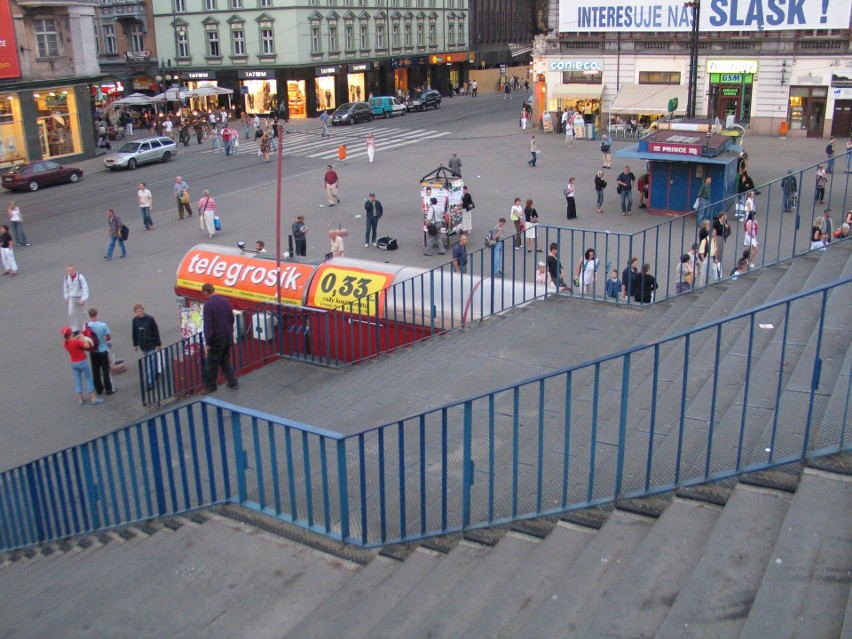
(47, 70)
(302, 58)
(774, 68)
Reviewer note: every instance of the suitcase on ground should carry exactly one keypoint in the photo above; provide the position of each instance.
(387, 243)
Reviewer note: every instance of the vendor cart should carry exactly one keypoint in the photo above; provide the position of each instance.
(446, 186)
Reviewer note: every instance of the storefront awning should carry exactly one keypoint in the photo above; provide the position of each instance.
(578, 90)
(649, 98)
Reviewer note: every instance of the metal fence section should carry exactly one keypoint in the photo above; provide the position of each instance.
(760, 389)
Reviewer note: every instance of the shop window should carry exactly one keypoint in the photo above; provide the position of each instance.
(363, 40)
(210, 5)
(180, 6)
(213, 50)
(349, 37)
(316, 46)
(659, 77)
(332, 37)
(109, 39)
(12, 147)
(578, 77)
(325, 90)
(267, 41)
(261, 95)
(182, 42)
(296, 98)
(57, 123)
(137, 37)
(47, 37)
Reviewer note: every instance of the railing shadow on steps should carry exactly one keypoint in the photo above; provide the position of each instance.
(762, 388)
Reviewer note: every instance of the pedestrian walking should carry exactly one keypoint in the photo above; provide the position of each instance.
(264, 146)
(455, 164)
(606, 152)
(215, 147)
(99, 356)
(331, 181)
(374, 212)
(77, 345)
(830, 150)
(516, 215)
(751, 233)
(207, 213)
(17, 222)
(300, 240)
(182, 197)
(821, 179)
(146, 337)
(474, 87)
(114, 232)
(246, 123)
(235, 141)
(586, 270)
(226, 140)
(371, 147)
(600, 185)
(571, 203)
(702, 200)
(435, 227)
(789, 189)
(531, 227)
(827, 226)
(467, 211)
(324, 118)
(683, 274)
(625, 190)
(534, 151)
(7, 253)
(145, 200)
(75, 290)
(218, 339)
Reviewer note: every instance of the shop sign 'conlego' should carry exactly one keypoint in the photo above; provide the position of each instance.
(245, 278)
(576, 65)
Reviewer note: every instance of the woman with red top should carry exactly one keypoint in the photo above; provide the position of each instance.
(76, 346)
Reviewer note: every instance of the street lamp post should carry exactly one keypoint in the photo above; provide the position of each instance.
(695, 5)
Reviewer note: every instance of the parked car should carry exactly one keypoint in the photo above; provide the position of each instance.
(424, 100)
(142, 151)
(34, 175)
(387, 106)
(352, 112)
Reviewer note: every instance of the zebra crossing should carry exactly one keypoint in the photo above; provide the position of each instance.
(311, 143)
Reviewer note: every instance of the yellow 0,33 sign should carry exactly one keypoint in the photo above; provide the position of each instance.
(352, 290)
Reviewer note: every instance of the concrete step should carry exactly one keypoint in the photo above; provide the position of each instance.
(531, 582)
(410, 611)
(563, 607)
(476, 590)
(805, 588)
(714, 602)
(659, 568)
(374, 590)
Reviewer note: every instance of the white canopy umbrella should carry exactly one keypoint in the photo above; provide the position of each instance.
(135, 99)
(204, 91)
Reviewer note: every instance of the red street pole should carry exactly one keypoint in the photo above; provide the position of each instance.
(280, 129)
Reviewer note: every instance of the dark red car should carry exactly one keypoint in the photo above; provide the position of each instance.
(31, 176)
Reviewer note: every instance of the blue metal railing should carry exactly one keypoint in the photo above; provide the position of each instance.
(762, 388)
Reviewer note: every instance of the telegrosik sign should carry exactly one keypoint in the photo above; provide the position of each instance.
(716, 15)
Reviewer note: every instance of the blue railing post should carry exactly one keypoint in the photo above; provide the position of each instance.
(622, 425)
(33, 485)
(342, 489)
(467, 462)
(240, 465)
(156, 466)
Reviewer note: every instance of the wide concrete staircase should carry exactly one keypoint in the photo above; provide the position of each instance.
(769, 555)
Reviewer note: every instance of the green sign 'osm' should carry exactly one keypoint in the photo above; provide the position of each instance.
(672, 105)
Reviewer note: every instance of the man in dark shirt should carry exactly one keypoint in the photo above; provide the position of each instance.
(625, 185)
(299, 231)
(460, 255)
(146, 337)
(218, 339)
(555, 268)
(627, 278)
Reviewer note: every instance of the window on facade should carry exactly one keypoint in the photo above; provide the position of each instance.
(451, 33)
(332, 37)
(418, 3)
(433, 38)
(109, 39)
(267, 40)
(408, 34)
(380, 35)
(182, 41)
(578, 77)
(349, 37)
(659, 77)
(362, 37)
(238, 42)
(316, 47)
(264, 4)
(213, 43)
(236, 4)
(180, 6)
(395, 35)
(461, 32)
(137, 37)
(421, 35)
(431, 3)
(210, 5)
(97, 50)
(47, 37)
